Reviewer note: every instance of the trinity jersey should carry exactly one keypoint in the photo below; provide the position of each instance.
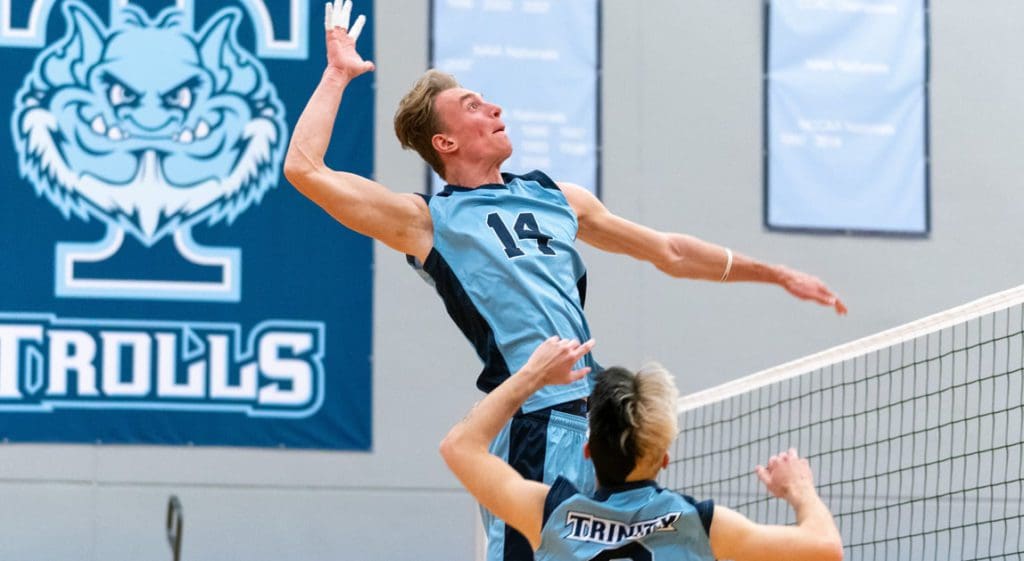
(637, 521)
(505, 263)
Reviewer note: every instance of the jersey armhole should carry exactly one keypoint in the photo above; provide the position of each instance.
(559, 492)
(415, 263)
(706, 511)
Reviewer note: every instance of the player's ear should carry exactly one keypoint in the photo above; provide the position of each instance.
(586, 449)
(443, 143)
(664, 461)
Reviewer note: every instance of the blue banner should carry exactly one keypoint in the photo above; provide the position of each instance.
(539, 60)
(846, 132)
(162, 283)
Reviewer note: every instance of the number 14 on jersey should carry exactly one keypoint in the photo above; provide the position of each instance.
(526, 228)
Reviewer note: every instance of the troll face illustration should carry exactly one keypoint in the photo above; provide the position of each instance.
(147, 125)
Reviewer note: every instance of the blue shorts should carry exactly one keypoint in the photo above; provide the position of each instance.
(541, 446)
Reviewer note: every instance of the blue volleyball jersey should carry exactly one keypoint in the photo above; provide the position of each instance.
(637, 521)
(505, 263)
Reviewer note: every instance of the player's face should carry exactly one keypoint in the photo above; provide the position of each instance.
(473, 124)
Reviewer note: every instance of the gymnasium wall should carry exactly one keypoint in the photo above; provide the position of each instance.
(682, 151)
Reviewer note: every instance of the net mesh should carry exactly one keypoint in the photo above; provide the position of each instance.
(916, 442)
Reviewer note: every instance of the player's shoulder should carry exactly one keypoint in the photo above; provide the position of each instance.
(705, 509)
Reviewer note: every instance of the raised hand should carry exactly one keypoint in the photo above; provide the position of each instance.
(787, 476)
(341, 40)
(554, 358)
(807, 287)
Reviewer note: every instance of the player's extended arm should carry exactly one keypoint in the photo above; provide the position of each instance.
(494, 484)
(402, 221)
(685, 256)
(814, 538)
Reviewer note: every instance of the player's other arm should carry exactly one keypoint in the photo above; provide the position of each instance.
(814, 538)
(494, 484)
(684, 256)
(401, 221)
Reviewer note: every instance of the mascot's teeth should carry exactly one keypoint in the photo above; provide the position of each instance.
(115, 134)
(202, 129)
(185, 137)
(98, 126)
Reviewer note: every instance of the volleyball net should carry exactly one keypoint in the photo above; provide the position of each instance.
(914, 435)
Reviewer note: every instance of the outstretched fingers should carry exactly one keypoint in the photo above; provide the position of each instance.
(357, 27)
(339, 14)
(579, 374)
(581, 349)
(346, 14)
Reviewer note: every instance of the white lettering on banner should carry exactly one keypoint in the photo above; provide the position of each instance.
(574, 148)
(11, 337)
(70, 351)
(576, 133)
(870, 129)
(277, 371)
(846, 66)
(517, 53)
(497, 5)
(819, 125)
(536, 7)
(827, 141)
(539, 131)
(792, 139)
(836, 126)
(531, 54)
(487, 50)
(870, 8)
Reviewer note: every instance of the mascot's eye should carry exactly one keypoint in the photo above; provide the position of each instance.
(180, 98)
(120, 95)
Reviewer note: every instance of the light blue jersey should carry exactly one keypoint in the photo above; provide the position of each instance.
(637, 521)
(505, 263)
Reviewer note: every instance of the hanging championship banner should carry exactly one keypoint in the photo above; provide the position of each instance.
(846, 107)
(163, 284)
(539, 60)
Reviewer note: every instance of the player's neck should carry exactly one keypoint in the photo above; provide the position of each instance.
(472, 175)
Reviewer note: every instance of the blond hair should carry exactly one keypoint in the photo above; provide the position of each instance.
(416, 121)
(655, 413)
(632, 421)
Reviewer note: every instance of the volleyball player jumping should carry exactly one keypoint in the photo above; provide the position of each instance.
(500, 249)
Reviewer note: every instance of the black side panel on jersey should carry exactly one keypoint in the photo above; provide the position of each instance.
(581, 287)
(706, 510)
(473, 325)
(559, 492)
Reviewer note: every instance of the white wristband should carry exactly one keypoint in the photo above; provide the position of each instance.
(728, 265)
